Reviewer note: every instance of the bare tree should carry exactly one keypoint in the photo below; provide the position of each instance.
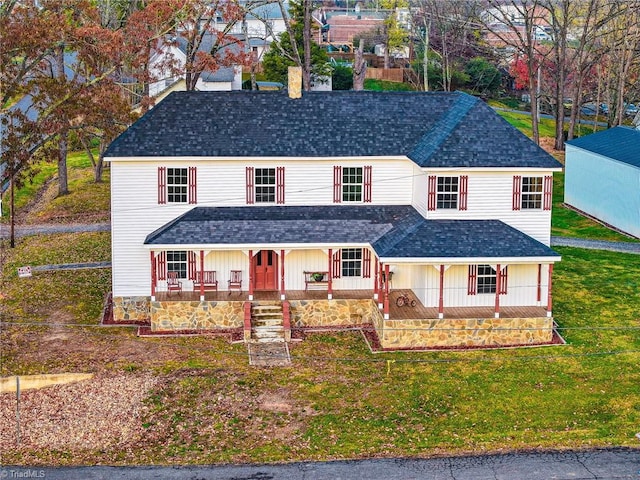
(359, 68)
(522, 19)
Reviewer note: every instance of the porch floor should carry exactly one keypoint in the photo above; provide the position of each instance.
(395, 312)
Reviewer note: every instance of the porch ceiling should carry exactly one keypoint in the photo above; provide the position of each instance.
(393, 231)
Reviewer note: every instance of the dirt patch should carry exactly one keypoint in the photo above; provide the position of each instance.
(93, 414)
(548, 144)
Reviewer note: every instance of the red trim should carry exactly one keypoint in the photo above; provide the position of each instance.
(153, 274)
(386, 290)
(282, 272)
(162, 185)
(280, 185)
(539, 297)
(337, 264)
(472, 280)
(441, 292)
(366, 263)
(375, 280)
(367, 184)
(548, 191)
(330, 279)
(462, 203)
(162, 265)
(432, 190)
(517, 191)
(337, 184)
(498, 288)
(503, 279)
(191, 265)
(193, 186)
(549, 295)
(250, 190)
(251, 272)
(202, 274)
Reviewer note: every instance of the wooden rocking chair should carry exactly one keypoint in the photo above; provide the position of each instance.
(173, 284)
(235, 281)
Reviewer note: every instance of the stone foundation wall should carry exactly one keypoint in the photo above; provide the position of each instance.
(464, 332)
(126, 309)
(331, 313)
(196, 315)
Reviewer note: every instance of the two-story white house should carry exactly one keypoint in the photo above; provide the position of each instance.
(336, 210)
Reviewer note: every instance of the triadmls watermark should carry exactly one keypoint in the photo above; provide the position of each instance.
(21, 473)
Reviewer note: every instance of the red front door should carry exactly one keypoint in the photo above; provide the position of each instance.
(265, 267)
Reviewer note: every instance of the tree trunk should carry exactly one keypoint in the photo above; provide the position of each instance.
(306, 41)
(63, 186)
(359, 68)
(12, 213)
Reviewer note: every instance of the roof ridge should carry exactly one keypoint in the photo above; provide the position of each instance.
(435, 137)
(401, 233)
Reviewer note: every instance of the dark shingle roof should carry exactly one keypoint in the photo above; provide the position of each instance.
(619, 143)
(467, 132)
(394, 231)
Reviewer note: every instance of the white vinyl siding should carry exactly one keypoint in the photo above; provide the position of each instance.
(490, 196)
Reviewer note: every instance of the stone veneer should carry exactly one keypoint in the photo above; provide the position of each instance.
(331, 313)
(465, 332)
(197, 315)
(127, 309)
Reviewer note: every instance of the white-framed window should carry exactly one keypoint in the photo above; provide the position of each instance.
(177, 262)
(486, 280)
(352, 183)
(447, 196)
(532, 190)
(177, 185)
(265, 185)
(351, 262)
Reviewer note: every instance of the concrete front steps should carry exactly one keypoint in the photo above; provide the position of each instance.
(267, 323)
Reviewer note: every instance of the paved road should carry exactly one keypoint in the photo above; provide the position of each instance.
(27, 230)
(610, 464)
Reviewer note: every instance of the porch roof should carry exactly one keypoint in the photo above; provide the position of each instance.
(393, 231)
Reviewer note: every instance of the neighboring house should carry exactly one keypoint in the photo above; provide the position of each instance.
(223, 79)
(602, 177)
(329, 209)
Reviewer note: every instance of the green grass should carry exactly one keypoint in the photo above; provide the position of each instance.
(85, 198)
(523, 123)
(386, 86)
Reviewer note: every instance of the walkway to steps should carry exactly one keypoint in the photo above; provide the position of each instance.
(269, 354)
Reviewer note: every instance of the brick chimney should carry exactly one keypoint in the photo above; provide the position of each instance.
(295, 82)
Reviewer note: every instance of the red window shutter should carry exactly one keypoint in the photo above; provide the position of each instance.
(162, 185)
(462, 203)
(193, 188)
(366, 263)
(472, 280)
(162, 266)
(367, 184)
(280, 185)
(503, 281)
(250, 191)
(191, 265)
(431, 195)
(517, 189)
(337, 264)
(337, 184)
(548, 191)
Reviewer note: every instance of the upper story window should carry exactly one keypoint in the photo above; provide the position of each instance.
(532, 193)
(352, 184)
(177, 185)
(447, 192)
(265, 185)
